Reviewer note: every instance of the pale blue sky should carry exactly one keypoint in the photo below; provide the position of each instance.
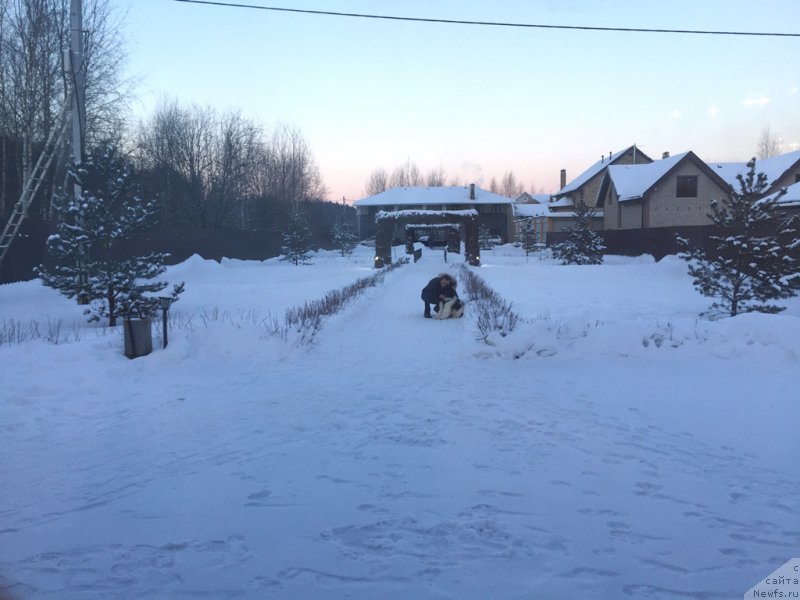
(479, 101)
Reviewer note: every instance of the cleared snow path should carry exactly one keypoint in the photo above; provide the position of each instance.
(390, 460)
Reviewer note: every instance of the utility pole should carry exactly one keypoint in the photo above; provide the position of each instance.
(74, 72)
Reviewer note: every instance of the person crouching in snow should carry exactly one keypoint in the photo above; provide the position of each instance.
(438, 292)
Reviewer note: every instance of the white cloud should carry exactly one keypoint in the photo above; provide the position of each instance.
(755, 101)
(793, 89)
(676, 114)
(713, 111)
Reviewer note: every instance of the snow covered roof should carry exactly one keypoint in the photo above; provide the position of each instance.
(388, 214)
(432, 196)
(633, 181)
(594, 170)
(790, 198)
(526, 198)
(563, 201)
(531, 210)
(773, 168)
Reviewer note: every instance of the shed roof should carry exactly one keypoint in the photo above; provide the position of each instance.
(531, 210)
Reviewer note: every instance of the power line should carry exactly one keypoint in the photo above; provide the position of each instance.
(486, 23)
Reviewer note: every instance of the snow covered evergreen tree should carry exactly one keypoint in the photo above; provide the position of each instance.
(755, 260)
(583, 245)
(528, 239)
(344, 238)
(486, 241)
(87, 243)
(296, 240)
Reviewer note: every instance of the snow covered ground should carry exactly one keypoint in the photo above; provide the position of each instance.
(632, 450)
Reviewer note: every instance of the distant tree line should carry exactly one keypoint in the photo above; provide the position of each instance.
(211, 171)
(409, 174)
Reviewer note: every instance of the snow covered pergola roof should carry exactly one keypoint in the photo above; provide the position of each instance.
(422, 196)
(387, 214)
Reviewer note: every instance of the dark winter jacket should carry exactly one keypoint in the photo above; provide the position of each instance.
(431, 293)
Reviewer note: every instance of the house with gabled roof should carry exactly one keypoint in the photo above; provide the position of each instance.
(674, 191)
(781, 170)
(586, 186)
(494, 211)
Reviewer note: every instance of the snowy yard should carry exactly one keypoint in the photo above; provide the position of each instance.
(631, 451)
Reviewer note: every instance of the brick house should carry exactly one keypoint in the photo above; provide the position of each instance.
(674, 191)
(586, 186)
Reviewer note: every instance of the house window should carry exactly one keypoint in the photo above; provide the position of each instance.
(687, 186)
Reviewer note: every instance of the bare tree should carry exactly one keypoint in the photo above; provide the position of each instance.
(108, 91)
(206, 169)
(435, 177)
(768, 144)
(510, 187)
(289, 172)
(493, 187)
(31, 73)
(236, 152)
(175, 146)
(406, 175)
(34, 35)
(378, 182)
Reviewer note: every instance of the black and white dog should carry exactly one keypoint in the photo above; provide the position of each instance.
(452, 308)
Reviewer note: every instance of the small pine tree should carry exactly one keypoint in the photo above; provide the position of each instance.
(486, 241)
(758, 258)
(296, 240)
(528, 239)
(87, 245)
(344, 238)
(583, 245)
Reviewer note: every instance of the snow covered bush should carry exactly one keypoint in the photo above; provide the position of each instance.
(491, 312)
(91, 266)
(307, 319)
(758, 259)
(583, 246)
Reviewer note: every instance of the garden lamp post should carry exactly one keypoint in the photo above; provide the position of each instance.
(165, 302)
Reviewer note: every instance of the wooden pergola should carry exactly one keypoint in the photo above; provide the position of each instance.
(455, 221)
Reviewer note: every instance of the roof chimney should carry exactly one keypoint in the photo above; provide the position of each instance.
(665, 155)
(563, 179)
(472, 191)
